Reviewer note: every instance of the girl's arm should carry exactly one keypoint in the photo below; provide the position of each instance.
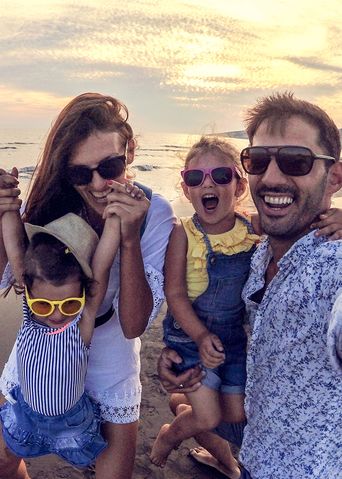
(101, 265)
(176, 286)
(329, 224)
(209, 345)
(14, 240)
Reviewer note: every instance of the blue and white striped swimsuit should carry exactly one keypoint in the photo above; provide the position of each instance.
(51, 367)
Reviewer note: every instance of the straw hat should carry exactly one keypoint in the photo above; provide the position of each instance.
(75, 233)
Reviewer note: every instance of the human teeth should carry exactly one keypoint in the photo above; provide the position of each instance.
(100, 196)
(209, 196)
(278, 200)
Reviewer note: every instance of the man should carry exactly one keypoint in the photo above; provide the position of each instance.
(294, 365)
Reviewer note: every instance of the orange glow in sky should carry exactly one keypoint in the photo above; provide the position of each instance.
(178, 66)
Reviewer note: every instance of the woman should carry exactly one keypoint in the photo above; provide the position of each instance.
(83, 167)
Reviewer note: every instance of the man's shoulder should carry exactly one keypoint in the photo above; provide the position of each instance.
(325, 251)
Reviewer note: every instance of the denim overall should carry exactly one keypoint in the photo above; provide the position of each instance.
(221, 309)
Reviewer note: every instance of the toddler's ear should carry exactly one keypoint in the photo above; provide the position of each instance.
(185, 190)
(241, 187)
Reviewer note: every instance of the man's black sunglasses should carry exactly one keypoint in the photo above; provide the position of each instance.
(109, 168)
(291, 160)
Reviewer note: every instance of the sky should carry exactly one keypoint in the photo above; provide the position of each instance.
(190, 66)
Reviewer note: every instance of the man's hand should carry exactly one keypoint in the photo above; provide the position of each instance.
(188, 381)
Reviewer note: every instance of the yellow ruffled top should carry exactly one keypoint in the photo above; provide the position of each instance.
(237, 240)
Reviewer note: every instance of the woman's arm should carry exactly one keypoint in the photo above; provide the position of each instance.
(14, 240)
(135, 299)
(9, 201)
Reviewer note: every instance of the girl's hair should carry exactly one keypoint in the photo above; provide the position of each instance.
(278, 108)
(217, 146)
(48, 259)
(51, 195)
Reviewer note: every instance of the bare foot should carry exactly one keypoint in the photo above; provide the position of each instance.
(162, 447)
(202, 456)
(182, 407)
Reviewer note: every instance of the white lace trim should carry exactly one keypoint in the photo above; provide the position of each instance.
(9, 378)
(155, 281)
(118, 408)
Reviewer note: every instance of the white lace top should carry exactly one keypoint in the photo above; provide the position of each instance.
(114, 363)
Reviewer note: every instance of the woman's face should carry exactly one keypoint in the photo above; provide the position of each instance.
(97, 147)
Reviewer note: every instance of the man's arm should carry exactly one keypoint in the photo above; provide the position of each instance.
(335, 334)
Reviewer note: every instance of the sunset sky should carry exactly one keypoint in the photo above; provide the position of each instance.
(189, 66)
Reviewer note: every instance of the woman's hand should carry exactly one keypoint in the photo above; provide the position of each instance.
(130, 204)
(329, 224)
(186, 382)
(9, 191)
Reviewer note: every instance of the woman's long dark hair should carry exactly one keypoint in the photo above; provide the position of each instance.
(51, 195)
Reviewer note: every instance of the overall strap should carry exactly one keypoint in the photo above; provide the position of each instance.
(198, 226)
(148, 193)
(246, 222)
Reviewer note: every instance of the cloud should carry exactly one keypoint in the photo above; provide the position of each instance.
(194, 57)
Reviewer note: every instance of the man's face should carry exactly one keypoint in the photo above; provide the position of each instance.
(287, 205)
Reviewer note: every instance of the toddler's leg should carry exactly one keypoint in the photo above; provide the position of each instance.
(204, 415)
(233, 408)
(11, 466)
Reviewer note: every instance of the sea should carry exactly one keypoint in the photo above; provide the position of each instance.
(158, 159)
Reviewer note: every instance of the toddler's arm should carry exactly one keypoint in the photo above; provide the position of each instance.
(176, 289)
(101, 264)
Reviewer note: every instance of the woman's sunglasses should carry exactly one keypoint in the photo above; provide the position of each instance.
(108, 168)
(45, 307)
(221, 175)
(291, 160)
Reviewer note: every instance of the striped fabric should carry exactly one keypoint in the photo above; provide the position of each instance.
(51, 367)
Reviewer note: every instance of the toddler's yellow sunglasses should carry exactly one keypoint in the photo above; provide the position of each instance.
(45, 307)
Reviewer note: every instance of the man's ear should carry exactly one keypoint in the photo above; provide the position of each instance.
(185, 190)
(130, 150)
(334, 182)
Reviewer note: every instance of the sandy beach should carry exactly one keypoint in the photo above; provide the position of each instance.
(154, 410)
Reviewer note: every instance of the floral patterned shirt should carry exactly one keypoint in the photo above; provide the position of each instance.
(294, 386)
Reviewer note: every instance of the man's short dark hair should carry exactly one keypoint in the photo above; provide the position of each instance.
(276, 110)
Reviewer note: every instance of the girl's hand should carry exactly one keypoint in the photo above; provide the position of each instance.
(130, 204)
(211, 350)
(9, 191)
(329, 224)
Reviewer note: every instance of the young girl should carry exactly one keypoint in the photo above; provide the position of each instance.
(48, 411)
(207, 264)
